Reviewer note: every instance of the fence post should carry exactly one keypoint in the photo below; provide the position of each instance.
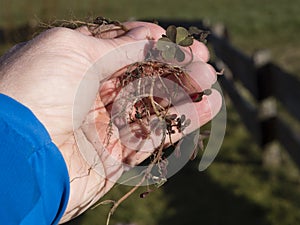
(267, 109)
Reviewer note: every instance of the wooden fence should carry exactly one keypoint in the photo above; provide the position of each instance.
(268, 87)
(269, 90)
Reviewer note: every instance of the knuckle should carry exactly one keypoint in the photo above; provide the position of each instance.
(60, 33)
(57, 36)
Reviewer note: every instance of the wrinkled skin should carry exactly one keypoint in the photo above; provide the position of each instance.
(44, 75)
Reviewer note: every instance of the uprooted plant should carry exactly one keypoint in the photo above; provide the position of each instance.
(147, 98)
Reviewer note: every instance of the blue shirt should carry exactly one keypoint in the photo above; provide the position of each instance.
(34, 181)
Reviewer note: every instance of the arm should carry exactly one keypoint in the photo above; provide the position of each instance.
(34, 178)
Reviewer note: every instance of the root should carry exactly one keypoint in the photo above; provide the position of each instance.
(99, 27)
(145, 107)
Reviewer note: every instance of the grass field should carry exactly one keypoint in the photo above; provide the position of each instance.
(236, 189)
(253, 24)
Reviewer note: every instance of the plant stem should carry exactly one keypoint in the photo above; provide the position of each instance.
(131, 191)
(158, 156)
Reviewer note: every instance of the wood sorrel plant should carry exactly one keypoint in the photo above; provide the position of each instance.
(147, 97)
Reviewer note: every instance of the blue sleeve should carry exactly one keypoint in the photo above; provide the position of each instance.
(34, 181)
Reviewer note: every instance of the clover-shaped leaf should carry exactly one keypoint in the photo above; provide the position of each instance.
(168, 43)
(169, 53)
(183, 37)
(179, 55)
(178, 35)
(171, 33)
(167, 48)
(164, 43)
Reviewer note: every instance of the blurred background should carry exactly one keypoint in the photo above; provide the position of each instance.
(249, 182)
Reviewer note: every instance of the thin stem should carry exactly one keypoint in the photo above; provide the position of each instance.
(152, 99)
(131, 191)
(158, 156)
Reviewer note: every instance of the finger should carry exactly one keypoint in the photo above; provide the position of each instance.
(136, 143)
(139, 147)
(84, 30)
(196, 78)
(136, 137)
(200, 51)
(203, 74)
(199, 113)
(155, 31)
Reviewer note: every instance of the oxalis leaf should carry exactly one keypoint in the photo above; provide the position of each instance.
(176, 35)
(171, 33)
(164, 43)
(188, 41)
(181, 34)
(179, 55)
(169, 53)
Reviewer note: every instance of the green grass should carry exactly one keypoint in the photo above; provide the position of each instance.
(253, 24)
(134, 210)
(236, 189)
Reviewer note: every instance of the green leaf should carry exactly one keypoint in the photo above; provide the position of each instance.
(169, 53)
(171, 33)
(182, 33)
(207, 92)
(163, 43)
(179, 55)
(188, 41)
(194, 30)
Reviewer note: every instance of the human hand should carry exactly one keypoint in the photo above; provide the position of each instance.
(45, 75)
